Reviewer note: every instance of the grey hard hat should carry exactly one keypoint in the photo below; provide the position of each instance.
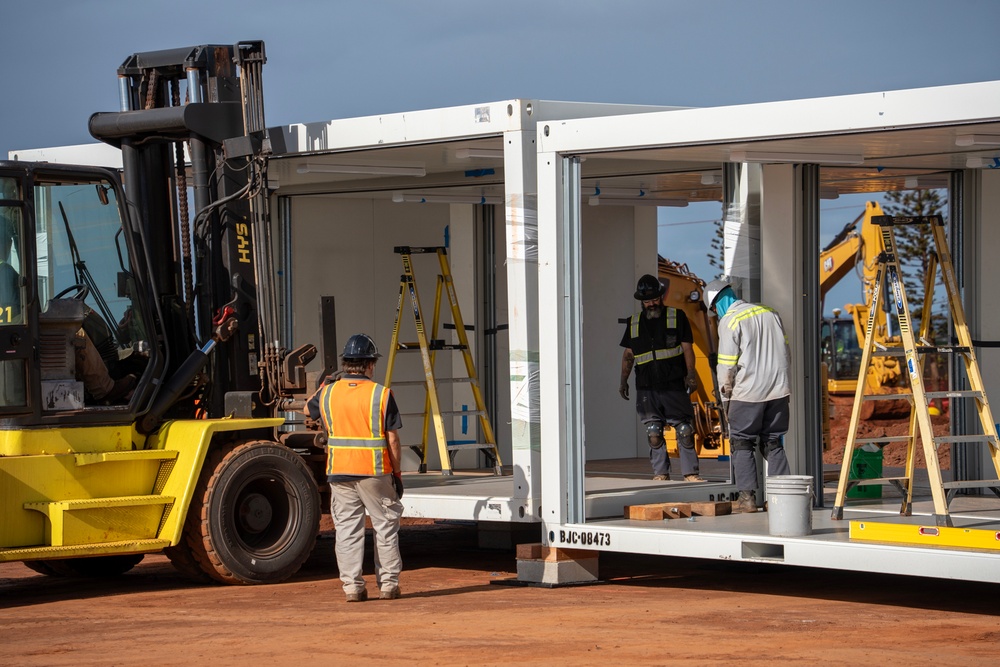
(713, 289)
(360, 346)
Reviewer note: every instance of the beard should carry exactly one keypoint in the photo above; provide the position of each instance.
(653, 312)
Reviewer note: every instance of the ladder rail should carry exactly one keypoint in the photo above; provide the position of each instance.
(859, 392)
(432, 407)
(961, 327)
(463, 339)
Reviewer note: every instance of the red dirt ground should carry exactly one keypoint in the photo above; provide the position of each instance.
(649, 611)
(893, 454)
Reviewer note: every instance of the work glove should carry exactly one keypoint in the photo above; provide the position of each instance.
(691, 380)
(397, 483)
(726, 390)
(623, 389)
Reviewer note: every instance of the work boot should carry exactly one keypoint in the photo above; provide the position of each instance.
(389, 594)
(121, 391)
(661, 478)
(747, 502)
(694, 477)
(360, 596)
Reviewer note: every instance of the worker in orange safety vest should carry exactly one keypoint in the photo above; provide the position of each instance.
(361, 421)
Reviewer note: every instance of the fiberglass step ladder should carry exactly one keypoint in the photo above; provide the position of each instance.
(428, 347)
(912, 351)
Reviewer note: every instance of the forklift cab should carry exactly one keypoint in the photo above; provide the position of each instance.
(68, 289)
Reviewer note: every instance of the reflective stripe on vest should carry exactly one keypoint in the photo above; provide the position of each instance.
(747, 314)
(728, 359)
(655, 355)
(353, 411)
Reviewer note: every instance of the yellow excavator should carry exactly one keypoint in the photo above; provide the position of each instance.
(857, 247)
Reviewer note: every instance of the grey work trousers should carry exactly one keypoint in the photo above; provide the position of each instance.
(757, 424)
(668, 408)
(349, 503)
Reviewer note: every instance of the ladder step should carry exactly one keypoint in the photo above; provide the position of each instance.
(901, 396)
(953, 394)
(423, 383)
(965, 438)
(973, 484)
(879, 480)
(885, 440)
(942, 349)
(447, 413)
(889, 352)
(472, 445)
(432, 345)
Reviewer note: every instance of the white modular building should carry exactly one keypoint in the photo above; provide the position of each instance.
(773, 162)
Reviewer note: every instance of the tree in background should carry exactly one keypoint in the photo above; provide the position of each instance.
(915, 246)
(717, 247)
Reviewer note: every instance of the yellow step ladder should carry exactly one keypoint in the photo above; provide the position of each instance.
(911, 351)
(428, 346)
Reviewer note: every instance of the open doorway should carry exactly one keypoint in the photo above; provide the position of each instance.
(849, 248)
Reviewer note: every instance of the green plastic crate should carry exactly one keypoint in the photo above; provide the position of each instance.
(866, 465)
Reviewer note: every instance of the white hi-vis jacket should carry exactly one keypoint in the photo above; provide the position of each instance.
(753, 353)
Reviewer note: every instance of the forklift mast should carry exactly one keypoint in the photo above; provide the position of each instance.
(211, 273)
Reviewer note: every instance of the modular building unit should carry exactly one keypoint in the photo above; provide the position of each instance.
(348, 192)
(771, 163)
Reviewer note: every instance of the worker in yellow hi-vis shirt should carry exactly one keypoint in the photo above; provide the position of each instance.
(753, 377)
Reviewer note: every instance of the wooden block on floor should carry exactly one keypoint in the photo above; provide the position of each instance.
(712, 508)
(552, 554)
(677, 510)
(661, 511)
(529, 551)
(652, 512)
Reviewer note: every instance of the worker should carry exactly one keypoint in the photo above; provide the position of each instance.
(12, 376)
(753, 380)
(658, 341)
(10, 280)
(361, 420)
(90, 367)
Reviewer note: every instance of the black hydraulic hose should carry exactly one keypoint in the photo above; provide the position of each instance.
(173, 388)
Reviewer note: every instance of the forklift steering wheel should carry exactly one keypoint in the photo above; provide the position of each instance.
(80, 292)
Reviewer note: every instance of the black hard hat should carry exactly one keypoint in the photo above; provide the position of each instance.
(360, 346)
(648, 288)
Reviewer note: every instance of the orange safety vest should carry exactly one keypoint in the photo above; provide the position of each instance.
(353, 411)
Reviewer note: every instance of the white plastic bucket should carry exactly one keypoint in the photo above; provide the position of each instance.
(789, 505)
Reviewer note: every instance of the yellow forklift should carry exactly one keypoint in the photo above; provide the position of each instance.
(142, 378)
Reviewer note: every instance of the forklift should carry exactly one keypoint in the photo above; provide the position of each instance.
(143, 382)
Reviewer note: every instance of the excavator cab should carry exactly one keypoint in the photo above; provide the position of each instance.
(840, 352)
(69, 282)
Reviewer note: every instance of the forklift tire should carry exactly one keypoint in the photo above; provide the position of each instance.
(255, 514)
(41, 567)
(184, 561)
(98, 566)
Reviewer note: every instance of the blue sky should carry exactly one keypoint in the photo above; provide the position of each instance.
(336, 59)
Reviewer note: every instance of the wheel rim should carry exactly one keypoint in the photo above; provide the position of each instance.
(265, 515)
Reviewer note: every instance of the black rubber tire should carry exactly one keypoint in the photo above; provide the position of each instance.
(98, 566)
(41, 567)
(183, 559)
(255, 514)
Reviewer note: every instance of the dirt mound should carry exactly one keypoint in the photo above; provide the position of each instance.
(893, 454)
